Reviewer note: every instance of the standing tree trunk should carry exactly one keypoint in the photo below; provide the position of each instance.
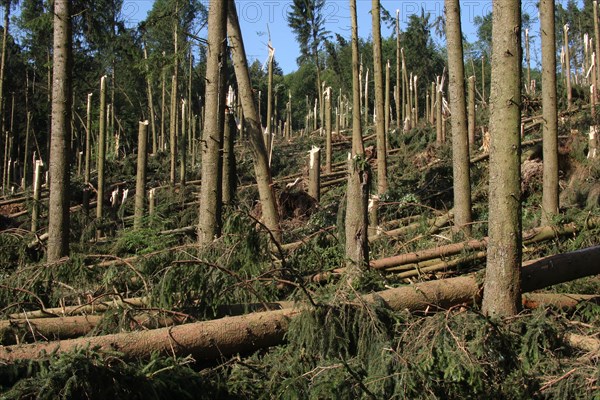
(550, 113)
(379, 99)
(150, 102)
(161, 143)
(399, 120)
(568, 66)
(101, 152)
(58, 208)
(357, 218)
(252, 124)
(183, 144)
(502, 289)
(88, 138)
(229, 168)
(387, 99)
(173, 131)
(460, 139)
(471, 111)
(140, 183)
(328, 133)
(269, 130)
(3, 66)
(597, 45)
(210, 193)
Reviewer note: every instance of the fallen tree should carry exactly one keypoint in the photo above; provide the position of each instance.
(231, 335)
(535, 235)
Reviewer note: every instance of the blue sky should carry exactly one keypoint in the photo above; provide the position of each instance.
(256, 15)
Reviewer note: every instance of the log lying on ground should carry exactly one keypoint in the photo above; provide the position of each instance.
(231, 335)
(535, 235)
(28, 330)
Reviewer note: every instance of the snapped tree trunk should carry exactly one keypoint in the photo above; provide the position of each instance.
(252, 121)
(460, 141)
(550, 113)
(58, 208)
(503, 273)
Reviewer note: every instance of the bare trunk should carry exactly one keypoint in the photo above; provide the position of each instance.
(460, 139)
(471, 112)
(140, 184)
(398, 94)
(101, 152)
(210, 193)
(597, 46)
(550, 113)
(380, 110)
(357, 244)
(173, 121)
(568, 66)
(503, 275)
(88, 140)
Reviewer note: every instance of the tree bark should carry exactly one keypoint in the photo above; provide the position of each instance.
(460, 140)
(58, 208)
(88, 140)
(140, 184)
(550, 113)
(328, 132)
(2, 73)
(567, 66)
(229, 162)
(399, 120)
(471, 112)
(503, 279)
(101, 152)
(597, 46)
(252, 120)
(379, 99)
(173, 125)
(210, 193)
(357, 219)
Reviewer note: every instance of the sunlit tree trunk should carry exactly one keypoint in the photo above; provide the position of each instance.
(140, 183)
(101, 157)
(502, 288)
(460, 140)
(210, 193)
(379, 99)
(58, 208)
(550, 112)
(357, 222)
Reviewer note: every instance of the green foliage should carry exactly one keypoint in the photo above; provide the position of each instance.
(87, 374)
(364, 352)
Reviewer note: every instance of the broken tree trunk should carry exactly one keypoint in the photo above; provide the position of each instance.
(232, 335)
